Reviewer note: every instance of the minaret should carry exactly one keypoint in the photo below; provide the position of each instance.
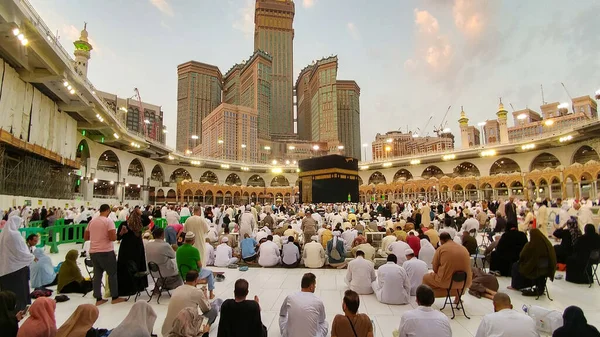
(82, 52)
(502, 120)
(464, 129)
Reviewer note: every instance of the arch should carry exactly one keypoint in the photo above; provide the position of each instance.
(279, 181)
(109, 162)
(402, 174)
(157, 173)
(256, 181)
(584, 154)
(160, 196)
(208, 197)
(432, 171)
(505, 166)
(180, 174)
(136, 169)
(466, 169)
(544, 160)
(171, 196)
(209, 177)
(233, 179)
(377, 178)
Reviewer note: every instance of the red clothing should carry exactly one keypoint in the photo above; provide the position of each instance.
(415, 243)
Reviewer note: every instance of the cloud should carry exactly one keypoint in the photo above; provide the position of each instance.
(426, 23)
(163, 6)
(433, 52)
(471, 17)
(245, 20)
(353, 30)
(308, 3)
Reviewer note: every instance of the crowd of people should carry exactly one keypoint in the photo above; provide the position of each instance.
(392, 250)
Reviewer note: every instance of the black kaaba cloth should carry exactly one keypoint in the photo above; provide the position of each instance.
(329, 179)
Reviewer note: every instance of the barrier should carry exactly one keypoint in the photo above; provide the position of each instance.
(182, 219)
(37, 223)
(160, 222)
(41, 232)
(118, 223)
(62, 234)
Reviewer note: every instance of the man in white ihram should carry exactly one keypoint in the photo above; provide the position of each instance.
(392, 285)
(360, 274)
(268, 253)
(197, 225)
(302, 314)
(247, 222)
(415, 269)
(506, 322)
(224, 254)
(398, 248)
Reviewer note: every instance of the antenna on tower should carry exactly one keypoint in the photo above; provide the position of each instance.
(543, 100)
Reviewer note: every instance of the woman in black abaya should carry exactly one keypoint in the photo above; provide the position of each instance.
(132, 257)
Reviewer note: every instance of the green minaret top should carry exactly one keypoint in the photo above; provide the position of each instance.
(502, 113)
(83, 44)
(463, 120)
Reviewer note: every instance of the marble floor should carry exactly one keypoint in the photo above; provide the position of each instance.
(273, 285)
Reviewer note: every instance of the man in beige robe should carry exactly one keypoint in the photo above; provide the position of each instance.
(197, 225)
(541, 219)
(425, 215)
(450, 257)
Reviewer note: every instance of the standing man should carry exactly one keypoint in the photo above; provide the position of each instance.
(506, 322)
(303, 313)
(510, 209)
(185, 211)
(101, 233)
(247, 222)
(239, 316)
(309, 226)
(197, 225)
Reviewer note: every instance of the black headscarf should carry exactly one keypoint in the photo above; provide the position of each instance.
(8, 320)
(575, 324)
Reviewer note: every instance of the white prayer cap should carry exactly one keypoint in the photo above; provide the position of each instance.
(225, 239)
(189, 235)
(314, 238)
(409, 252)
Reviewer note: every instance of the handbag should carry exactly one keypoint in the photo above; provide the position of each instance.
(352, 326)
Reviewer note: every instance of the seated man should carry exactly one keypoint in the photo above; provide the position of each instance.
(359, 240)
(209, 250)
(188, 258)
(188, 296)
(303, 311)
(425, 320)
(351, 323)
(290, 254)
(469, 242)
(360, 274)
(224, 254)
(367, 249)
(268, 253)
(448, 259)
(433, 235)
(313, 254)
(392, 285)
(385, 243)
(239, 316)
(400, 233)
(505, 321)
(398, 248)
(248, 245)
(161, 253)
(415, 269)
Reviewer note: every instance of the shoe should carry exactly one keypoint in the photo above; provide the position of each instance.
(532, 292)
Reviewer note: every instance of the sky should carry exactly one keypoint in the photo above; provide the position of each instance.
(412, 58)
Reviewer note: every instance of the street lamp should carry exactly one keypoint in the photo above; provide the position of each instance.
(316, 147)
(387, 151)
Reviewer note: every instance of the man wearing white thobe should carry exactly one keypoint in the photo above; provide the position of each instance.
(197, 225)
(224, 254)
(185, 211)
(415, 269)
(209, 250)
(302, 314)
(386, 242)
(360, 275)
(506, 322)
(313, 254)
(349, 235)
(392, 285)
(367, 249)
(336, 219)
(470, 224)
(584, 216)
(425, 320)
(268, 253)
(247, 222)
(399, 248)
(163, 211)
(123, 214)
(172, 217)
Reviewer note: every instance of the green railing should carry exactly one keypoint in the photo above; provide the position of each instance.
(25, 232)
(160, 222)
(37, 223)
(183, 218)
(62, 234)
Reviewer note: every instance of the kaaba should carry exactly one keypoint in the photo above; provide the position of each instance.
(328, 179)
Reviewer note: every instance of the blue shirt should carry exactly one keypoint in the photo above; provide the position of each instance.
(248, 245)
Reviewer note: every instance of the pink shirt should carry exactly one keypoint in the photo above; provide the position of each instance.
(178, 227)
(99, 241)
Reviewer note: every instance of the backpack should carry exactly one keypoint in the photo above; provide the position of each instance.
(557, 219)
(334, 253)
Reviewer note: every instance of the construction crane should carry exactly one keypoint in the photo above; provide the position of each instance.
(442, 127)
(571, 98)
(143, 121)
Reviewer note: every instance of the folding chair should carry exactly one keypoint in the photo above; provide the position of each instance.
(458, 277)
(592, 264)
(87, 262)
(543, 264)
(137, 280)
(159, 284)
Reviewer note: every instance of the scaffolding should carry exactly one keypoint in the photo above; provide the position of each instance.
(28, 175)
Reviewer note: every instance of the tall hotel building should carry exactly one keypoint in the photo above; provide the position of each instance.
(328, 109)
(274, 34)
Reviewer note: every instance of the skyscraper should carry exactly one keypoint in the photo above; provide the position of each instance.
(274, 34)
(348, 117)
(199, 88)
